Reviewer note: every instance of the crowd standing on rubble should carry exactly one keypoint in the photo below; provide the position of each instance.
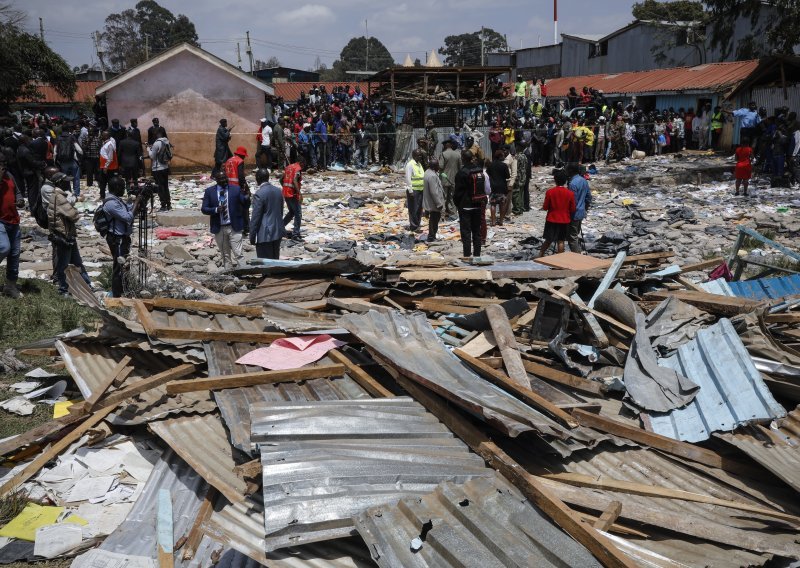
(345, 128)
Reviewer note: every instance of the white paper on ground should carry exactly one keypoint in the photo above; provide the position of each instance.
(137, 465)
(97, 558)
(40, 373)
(100, 460)
(25, 386)
(103, 518)
(54, 540)
(90, 488)
(18, 405)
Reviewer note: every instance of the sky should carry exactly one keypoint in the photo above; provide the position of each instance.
(298, 32)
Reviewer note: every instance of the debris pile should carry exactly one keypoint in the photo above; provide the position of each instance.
(572, 411)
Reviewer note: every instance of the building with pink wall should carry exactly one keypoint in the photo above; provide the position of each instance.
(189, 90)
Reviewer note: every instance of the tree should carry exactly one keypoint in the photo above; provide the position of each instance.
(782, 29)
(269, 63)
(26, 60)
(354, 58)
(465, 49)
(677, 11)
(131, 35)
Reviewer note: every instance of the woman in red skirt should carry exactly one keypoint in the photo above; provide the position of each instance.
(744, 165)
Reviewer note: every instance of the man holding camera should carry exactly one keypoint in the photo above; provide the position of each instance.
(120, 215)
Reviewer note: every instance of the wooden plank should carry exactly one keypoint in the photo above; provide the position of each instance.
(119, 302)
(43, 430)
(560, 377)
(54, 450)
(196, 532)
(614, 528)
(207, 307)
(573, 261)
(600, 546)
(117, 375)
(251, 469)
(523, 393)
(443, 308)
(257, 378)
(359, 375)
(446, 275)
(145, 385)
(214, 335)
(782, 318)
(504, 335)
(482, 344)
(722, 305)
(525, 318)
(164, 529)
(688, 284)
(44, 352)
(609, 516)
(704, 265)
(633, 488)
(599, 315)
(668, 445)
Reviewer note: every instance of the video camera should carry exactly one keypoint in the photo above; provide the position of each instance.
(145, 187)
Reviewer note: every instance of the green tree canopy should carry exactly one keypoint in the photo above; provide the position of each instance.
(782, 32)
(26, 60)
(464, 50)
(676, 11)
(354, 58)
(148, 27)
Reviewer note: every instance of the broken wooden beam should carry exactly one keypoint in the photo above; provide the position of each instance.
(117, 376)
(258, 378)
(207, 307)
(504, 336)
(565, 379)
(359, 375)
(714, 303)
(145, 385)
(609, 516)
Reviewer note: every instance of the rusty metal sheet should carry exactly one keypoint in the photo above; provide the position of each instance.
(409, 343)
(776, 447)
(325, 462)
(731, 393)
(278, 289)
(174, 318)
(90, 363)
(485, 522)
(290, 319)
(234, 404)
(203, 443)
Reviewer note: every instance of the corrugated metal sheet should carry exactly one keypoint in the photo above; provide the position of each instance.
(731, 393)
(325, 462)
(772, 97)
(776, 447)
(711, 77)
(290, 91)
(84, 93)
(484, 522)
(203, 443)
(170, 318)
(767, 288)
(234, 404)
(89, 364)
(136, 536)
(414, 349)
(719, 286)
(277, 289)
(298, 320)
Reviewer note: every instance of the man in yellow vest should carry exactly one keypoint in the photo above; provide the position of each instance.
(716, 127)
(415, 183)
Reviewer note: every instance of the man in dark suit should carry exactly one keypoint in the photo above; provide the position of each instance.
(226, 205)
(129, 154)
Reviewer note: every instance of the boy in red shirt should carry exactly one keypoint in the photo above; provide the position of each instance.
(559, 202)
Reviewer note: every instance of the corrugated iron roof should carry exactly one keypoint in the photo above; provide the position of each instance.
(90, 363)
(325, 462)
(278, 289)
(485, 522)
(290, 91)
(413, 348)
(234, 404)
(731, 393)
(776, 447)
(718, 286)
(136, 536)
(84, 93)
(290, 319)
(710, 77)
(203, 443)
(174, 318)
(767, 288)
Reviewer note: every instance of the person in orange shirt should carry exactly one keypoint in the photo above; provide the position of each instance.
(109, 166)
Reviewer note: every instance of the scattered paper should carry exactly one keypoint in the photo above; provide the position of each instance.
(97, 558)
(33, 516)
(25, 386)
(54, 540)
(18, 405)
(103, 519)
(40, 373)
(90, 488)
(61, 408)
(291, 352)
(52, 391)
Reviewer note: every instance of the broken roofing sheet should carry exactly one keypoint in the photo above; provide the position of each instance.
(290, 319)
(485, 522)
(325, 462)
(411, 345)
(278, 289)
(234, 404)
(731, 393)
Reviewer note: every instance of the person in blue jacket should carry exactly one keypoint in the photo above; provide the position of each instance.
(226, 205)
(583, 200)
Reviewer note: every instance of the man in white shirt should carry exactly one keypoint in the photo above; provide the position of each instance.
(264, 149)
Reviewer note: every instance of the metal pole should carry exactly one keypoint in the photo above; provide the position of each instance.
(483, 48)
(555, 22)
(249, 52)
(41, 29)
(99, 56)
(238, 56)
(366, 63)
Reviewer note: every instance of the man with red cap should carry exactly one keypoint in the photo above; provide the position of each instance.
(234, 170)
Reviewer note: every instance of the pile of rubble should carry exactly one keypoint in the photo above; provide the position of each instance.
(571, 411)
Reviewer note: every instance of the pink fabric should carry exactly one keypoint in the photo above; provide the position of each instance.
(163, 233)
(721, 271)
(291, 352)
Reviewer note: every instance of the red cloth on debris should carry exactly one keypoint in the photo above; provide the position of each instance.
(164, 233)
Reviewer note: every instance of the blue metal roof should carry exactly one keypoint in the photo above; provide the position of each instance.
(731, 393)
(767, 288)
